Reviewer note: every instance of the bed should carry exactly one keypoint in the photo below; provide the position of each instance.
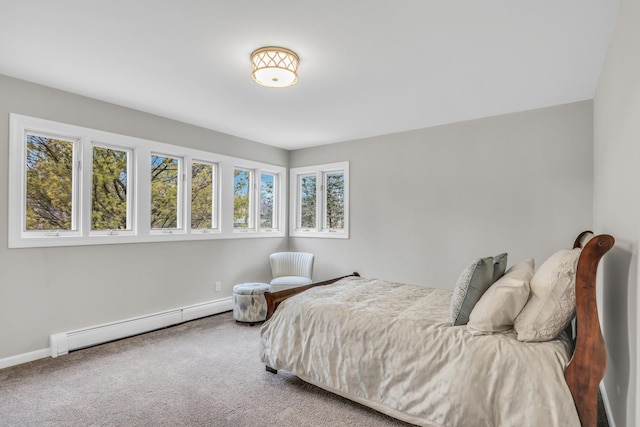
(393, 346)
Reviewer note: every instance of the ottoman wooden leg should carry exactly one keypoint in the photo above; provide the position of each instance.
(270, 369)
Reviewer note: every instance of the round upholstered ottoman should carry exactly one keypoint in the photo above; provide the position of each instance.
(249, 304)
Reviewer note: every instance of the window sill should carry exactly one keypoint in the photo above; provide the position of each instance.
(62, 241)
(320, 234)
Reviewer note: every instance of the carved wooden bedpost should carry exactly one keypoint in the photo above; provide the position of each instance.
(588, 364)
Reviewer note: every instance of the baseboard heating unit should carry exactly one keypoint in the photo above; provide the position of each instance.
(64, 342)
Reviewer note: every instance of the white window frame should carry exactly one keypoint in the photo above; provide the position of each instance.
(277, 201)
(279, 212)
(251, 226)
(180, 227)
(215, 222)
(139, 188)
(320, 172)
(19, 215)
(87, 177)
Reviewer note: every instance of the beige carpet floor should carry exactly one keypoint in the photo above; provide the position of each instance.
(201, 373)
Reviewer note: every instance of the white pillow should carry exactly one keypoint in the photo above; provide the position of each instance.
(552, 302)
(503, 301)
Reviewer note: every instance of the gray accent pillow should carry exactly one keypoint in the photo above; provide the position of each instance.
(474, 280)
(499, 266)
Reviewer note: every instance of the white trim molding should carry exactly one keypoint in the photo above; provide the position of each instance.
(63, 342)
(24, 358)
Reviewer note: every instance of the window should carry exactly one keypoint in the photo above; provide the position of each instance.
(203, 196)
(242, 198)
(256, 211)
(70, 185)
(110, 196)
(268, 212)
(307, 195)
(165, 192)
(50, 204)
(334, 201)
(320, 201)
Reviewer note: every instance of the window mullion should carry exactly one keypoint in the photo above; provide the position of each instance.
(181, 223)
(256, 201)
(320, 211)
(298, 202)
(186, 197)
(142, 176)
(252, 201)
(216, 197)
(132, 205)
(84, 168)
(277, 219)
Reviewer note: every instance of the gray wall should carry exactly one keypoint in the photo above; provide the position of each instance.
(617, 209)
(425, 203)
(49, 290)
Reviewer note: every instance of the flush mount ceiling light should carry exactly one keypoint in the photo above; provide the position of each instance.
(274, 66)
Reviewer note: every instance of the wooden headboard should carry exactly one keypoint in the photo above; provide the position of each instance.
(589, 361)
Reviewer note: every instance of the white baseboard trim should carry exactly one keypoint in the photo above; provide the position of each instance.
(607, 405)
(205, 309)
(63, 342)
(24, 358)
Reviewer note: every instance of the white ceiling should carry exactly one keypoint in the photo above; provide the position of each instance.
(367, 67)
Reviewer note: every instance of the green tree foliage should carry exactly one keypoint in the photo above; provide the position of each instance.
(164, 192)
(201, 196)
(109, 192)
(49, 184)
(308, 202)
(335, 201)
(241, 210)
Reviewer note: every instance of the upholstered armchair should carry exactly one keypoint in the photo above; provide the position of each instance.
(290, 269)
